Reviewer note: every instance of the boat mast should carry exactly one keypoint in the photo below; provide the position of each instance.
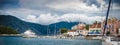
(106, 17)
(55, 30)
(47, 30)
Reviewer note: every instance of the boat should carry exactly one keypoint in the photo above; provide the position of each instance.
(111, 41)
(97, 38)
(29, 34)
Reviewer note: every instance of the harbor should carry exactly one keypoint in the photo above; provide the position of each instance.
(77, 33)
(46, 41)
(60, 22)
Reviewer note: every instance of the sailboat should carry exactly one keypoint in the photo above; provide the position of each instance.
(54, 35)
(48, 31)
(108, 40)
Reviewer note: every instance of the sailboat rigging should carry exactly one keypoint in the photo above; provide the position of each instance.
(107, 17)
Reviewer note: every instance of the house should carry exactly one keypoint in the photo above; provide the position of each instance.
(95, 29)
(80, 29)
(113, 26)
(72, 33)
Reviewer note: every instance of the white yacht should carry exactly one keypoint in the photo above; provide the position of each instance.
(111, 41)
(29, 34)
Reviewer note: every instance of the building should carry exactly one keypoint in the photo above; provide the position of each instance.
(113, 26)
(80, 29)
(119, 31)
(95, 29)
(72, 33)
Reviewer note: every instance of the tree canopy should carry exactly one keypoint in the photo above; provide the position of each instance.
(7, 30)
(63, 30)
(87, 27)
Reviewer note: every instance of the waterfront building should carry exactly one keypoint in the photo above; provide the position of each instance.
(80, 29)
(95, 29)
(113, 26)
(72, 33)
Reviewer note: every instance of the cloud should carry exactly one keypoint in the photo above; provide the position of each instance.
(71, 6)
(21, 12)
(47, 19)
(4, 4)
(31, 18)
(115, 6)
(81, 17)
(76, 5)
(52, 11)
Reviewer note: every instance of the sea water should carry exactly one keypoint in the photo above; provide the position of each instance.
(46, 41)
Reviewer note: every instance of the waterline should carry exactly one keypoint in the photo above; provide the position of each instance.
(46, 41)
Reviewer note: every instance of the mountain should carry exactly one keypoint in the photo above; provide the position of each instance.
(21, 26)
(63, 24)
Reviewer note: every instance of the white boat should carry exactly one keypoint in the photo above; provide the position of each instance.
(97, 38)
(29, 34)
(111, 41)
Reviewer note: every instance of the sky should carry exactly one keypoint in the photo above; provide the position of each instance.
(46, 12)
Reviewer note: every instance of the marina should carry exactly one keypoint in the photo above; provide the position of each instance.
(46, 41)
(60, 22)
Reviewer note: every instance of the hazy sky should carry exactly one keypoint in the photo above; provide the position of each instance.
(51, 11)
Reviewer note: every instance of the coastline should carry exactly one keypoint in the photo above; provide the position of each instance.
(19, 35)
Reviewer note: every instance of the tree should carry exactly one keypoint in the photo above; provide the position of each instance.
(87, 27)
(95, 22)
(7, 30)
(63, 30)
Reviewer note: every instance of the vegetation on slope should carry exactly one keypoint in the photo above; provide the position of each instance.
(7, 30)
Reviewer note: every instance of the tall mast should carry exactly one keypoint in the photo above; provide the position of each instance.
(106, 17)
(55, 30)
(47, 29)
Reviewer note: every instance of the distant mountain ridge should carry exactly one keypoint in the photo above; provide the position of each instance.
(22, 26)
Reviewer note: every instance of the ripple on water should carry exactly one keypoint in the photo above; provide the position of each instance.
(43, 41)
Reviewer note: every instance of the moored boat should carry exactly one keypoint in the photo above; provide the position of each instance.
(29, 34)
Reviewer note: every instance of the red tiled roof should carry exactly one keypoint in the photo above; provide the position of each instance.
(71, 30)
(97, 25)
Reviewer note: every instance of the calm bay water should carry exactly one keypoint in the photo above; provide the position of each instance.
(42, 41)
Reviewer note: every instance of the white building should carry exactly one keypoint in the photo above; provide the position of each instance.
(80, 29)
(72, 33)
(74, 27)
(94, 31)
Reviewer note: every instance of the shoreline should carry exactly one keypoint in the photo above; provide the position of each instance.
(19, 35)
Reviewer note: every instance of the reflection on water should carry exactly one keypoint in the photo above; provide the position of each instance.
(42, 41)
